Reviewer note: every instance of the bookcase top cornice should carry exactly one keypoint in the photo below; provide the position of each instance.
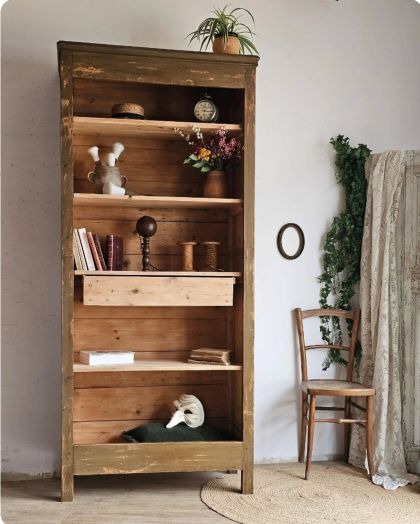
(87, 47)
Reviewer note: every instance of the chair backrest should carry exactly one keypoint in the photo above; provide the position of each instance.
(300, 315)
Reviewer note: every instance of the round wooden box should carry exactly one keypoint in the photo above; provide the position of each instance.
(127, 110)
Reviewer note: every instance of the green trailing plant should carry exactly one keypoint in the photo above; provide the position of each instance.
(223, 24)
(343, 244)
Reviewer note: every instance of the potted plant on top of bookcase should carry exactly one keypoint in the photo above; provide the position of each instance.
(226, 32)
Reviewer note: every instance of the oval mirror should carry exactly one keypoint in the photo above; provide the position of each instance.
(290, 241)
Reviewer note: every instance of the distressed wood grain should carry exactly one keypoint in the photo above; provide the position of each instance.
(151, 458)
(66, 100)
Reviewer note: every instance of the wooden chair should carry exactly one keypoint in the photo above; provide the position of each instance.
(332, 388)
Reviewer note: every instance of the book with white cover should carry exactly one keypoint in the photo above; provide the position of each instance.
(98, 358)
(76, 253)
(79, 249)
(86, 249)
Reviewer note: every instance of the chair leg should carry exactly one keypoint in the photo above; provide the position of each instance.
(369, 429)
(303, 427)
(311, 429)
(347, 427)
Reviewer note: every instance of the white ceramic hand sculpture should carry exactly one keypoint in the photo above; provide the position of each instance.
(189, 410)
(117, 149)
(110, 159)
(94, 153)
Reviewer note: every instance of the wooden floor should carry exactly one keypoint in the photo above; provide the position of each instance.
(171, 498)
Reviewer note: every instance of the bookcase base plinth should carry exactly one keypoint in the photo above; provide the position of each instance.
(165, 457)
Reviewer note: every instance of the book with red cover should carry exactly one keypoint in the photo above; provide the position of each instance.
(114, 249)
(94, 251)
(99, 251)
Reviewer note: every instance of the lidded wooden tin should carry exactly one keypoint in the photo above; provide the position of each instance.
(127, 110)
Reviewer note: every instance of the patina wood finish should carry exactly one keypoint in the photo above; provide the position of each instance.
(93, 77)
(66, 100)
(152, 458)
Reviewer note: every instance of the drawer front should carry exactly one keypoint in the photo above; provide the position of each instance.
(157, 291)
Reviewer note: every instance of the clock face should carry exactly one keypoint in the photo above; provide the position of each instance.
(206, 111)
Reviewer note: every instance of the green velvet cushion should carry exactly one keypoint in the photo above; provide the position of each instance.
(157, 432)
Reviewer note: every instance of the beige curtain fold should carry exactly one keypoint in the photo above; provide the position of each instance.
(380, 365)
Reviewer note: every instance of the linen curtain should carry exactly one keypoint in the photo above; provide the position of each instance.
(380, 301)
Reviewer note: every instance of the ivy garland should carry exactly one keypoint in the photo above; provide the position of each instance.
(343, 245)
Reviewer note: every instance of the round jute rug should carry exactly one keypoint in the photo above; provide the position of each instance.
(335, 493)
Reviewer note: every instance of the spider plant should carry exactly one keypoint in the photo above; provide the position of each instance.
(226, 23)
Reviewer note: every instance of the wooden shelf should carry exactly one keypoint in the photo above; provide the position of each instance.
(151, 202)
(120, 127)
(191, 274)
(154, 365)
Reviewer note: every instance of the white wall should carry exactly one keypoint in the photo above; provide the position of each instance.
(327, 67)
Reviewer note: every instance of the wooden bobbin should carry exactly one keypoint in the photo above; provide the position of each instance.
(188, 255)
(211, 255)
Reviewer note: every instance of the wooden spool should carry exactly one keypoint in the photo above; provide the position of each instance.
(211, 255)
(188, 255)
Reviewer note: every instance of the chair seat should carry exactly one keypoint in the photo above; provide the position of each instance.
(336, 388)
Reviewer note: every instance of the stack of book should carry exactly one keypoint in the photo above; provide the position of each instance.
(219, 357)
(88, 254)
(99, 358)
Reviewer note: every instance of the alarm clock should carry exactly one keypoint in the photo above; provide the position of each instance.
(205, 110)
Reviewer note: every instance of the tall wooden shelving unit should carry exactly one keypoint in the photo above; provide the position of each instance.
(99, 403)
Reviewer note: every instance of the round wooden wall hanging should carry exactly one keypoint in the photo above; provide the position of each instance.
(301, 238)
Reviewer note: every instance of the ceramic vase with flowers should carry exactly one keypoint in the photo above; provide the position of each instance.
(212, 155)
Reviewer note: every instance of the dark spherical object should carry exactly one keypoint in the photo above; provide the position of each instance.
(146, 226)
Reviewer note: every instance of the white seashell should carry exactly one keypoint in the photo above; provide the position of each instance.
(94, 153)
(111, 189)
(110, 159)
(189, 410)
(117, 149)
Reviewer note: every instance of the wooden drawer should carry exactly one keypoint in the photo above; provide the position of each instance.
(157, 291)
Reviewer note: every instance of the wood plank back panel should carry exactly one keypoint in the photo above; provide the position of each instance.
(148, 334)
(197, 216)
(146, 402)
(103, 432)
(113, 379)
(166, 239)
(160, 102)
(152, 167)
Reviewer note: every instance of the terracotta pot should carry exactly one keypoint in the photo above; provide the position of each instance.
(230, 47)
(215, 185)
(105, 175)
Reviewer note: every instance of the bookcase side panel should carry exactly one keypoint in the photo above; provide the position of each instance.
(248, 279)
(66, 100)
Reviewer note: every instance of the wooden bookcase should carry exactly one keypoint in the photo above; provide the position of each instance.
(98, 403)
